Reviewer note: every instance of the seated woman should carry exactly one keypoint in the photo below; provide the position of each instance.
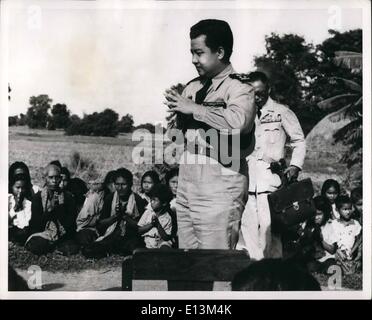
(20, 167)
(117, 224)
(19, 209)
(88, 216)
(53, 217)
(148, 181)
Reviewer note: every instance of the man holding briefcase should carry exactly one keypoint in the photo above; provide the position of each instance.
(275, 123)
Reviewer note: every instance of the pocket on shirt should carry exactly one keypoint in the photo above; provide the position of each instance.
(272, 132)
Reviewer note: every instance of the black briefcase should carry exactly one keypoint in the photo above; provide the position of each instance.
(291, 204)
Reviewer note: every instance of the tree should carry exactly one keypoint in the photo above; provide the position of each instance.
(96, 124)
(147, 126)
(60, 116)
(322, 88)
(126, 123)
(12, 121)
(37, 114)
(22, 121)
(348, 105)
(300, 72)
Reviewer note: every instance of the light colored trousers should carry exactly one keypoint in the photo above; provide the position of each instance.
(255, 234)
(210, 202)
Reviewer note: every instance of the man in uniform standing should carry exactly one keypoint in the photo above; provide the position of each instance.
(275, 124)
(211, 193)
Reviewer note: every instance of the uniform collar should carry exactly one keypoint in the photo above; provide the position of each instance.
(219, 78)
(269, 105)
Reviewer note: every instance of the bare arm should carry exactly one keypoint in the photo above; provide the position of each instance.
(161, 230)
(145, 228)
(331, 248)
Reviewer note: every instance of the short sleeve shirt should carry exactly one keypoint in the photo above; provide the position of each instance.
(152, 237)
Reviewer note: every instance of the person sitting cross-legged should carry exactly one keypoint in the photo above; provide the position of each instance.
(117, 224)
(155, 225)
(53, 213)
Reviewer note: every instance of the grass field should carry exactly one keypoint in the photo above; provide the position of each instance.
(38, 147)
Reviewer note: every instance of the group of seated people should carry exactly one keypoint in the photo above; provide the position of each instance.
(109, 217)
(333, 236)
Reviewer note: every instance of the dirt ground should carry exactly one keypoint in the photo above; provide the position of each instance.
(108, 279)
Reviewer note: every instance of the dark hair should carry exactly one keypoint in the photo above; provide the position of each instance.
(330, 183)
(65, 171)
(321, 203)
(78, 188)
(109, 178)
(12, 169)
(20, 177)
(174, 172)
(258, 76)
(342, 200)
(218, 34)
(153, 175)
(124, 173)
(161, 192)
(56, 163)
(356, 194)
(274, 275)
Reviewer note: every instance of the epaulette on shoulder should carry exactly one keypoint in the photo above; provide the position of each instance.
(242, 77)
(195, 79)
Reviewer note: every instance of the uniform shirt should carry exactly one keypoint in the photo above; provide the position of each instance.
(228, 105)
(276, 124)
(152, 237)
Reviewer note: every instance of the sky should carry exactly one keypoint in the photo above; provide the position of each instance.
(124, 55)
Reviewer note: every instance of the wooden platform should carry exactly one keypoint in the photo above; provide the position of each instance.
(184, 270)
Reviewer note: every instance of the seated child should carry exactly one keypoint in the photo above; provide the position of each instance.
(53, 215)
(357, 200)
(304, 241)
(148, 181)
(19, 209)
(345, 233)
(171, 179)
(155, 225)
(356, 197)
(20, 167)
(331, 190)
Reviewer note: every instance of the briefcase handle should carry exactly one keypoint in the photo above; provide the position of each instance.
(278, 167)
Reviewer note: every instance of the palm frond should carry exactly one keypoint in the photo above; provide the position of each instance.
(352, 85)
(345, 53)
(334, 102)
(339, 115)
(348, 59)
(354, 137)
(343, 132)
